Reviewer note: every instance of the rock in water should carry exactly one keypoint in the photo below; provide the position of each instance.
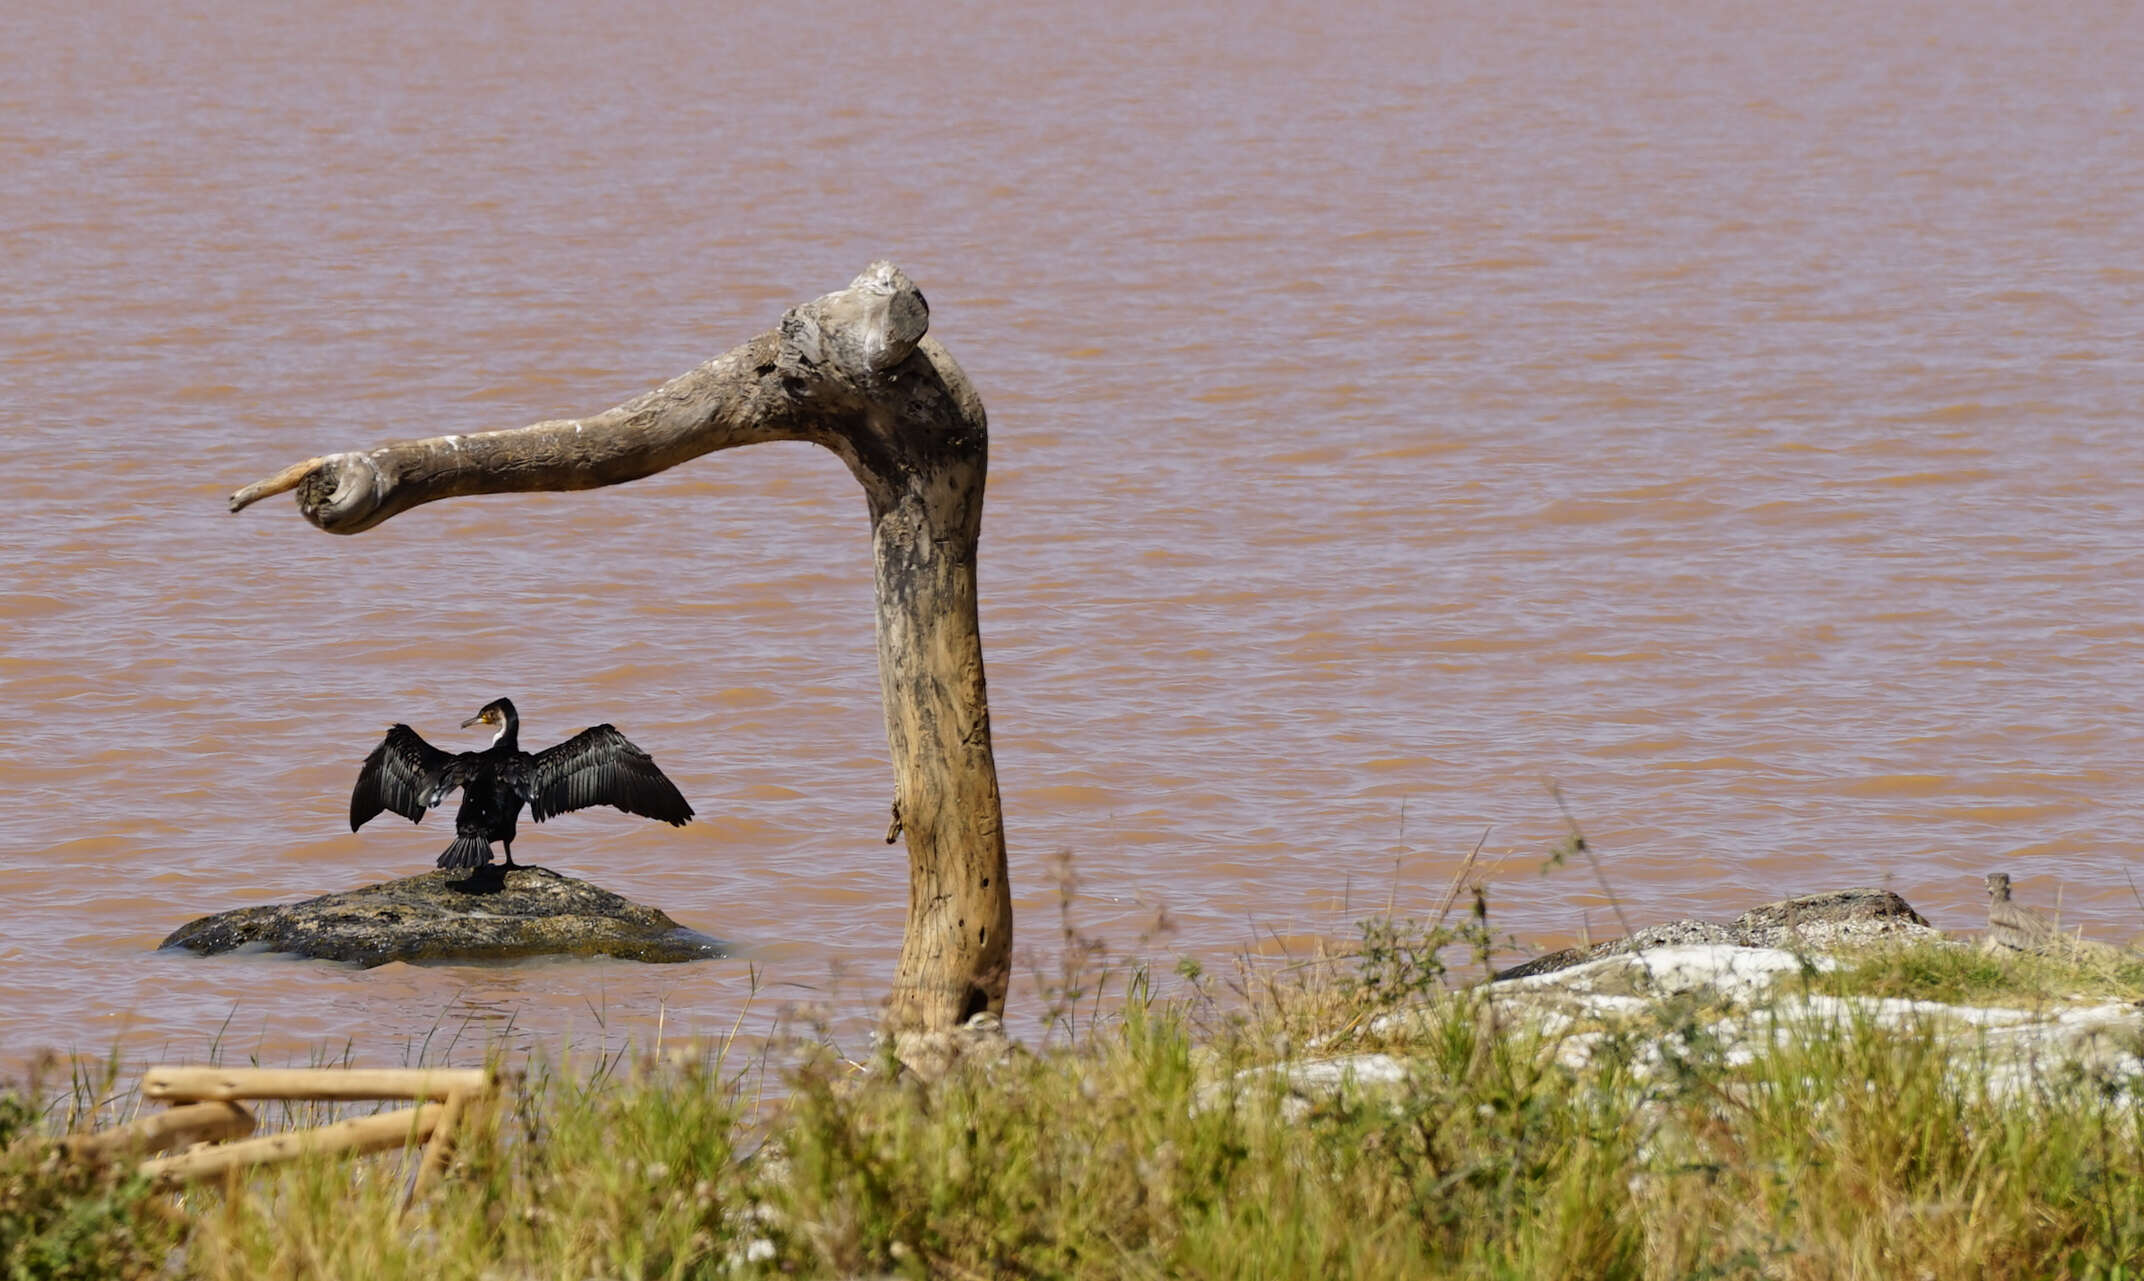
(1847, 918)
(492, 915)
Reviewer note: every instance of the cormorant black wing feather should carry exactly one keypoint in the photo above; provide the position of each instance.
(600, 766)
(398, 774)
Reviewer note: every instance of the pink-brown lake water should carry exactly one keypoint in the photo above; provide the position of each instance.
(1729, 413)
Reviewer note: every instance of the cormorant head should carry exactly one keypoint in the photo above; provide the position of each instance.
(498, 712)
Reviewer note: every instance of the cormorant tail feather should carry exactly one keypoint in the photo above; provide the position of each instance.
(466, 852)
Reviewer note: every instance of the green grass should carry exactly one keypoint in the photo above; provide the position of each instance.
(1963, 975)
(61, 1222)
(1135, 1149)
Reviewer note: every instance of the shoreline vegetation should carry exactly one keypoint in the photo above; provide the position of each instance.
(1902, 1106)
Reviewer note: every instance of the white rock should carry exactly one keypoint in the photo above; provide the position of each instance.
(1737, 973)
(1313, 1079)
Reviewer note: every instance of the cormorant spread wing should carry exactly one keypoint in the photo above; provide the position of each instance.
(600, 766)
(398, 775)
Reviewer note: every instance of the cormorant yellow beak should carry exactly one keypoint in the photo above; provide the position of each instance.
(485, 717)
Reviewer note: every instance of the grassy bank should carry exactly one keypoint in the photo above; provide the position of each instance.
(1151, 1144)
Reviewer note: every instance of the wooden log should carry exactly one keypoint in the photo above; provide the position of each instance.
(855, 372)
(440, 1149)
(354, 1137)
(196, 1083)
(161, 1131)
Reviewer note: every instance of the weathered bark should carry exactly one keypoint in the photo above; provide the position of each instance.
(854, 372)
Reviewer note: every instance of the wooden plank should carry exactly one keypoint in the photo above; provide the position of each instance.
(364, 1134)
(192, 1123)
(224, 1084)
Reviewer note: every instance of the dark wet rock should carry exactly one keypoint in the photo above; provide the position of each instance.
(1840, 918)
(1546, 963)
(1874, 912)
(491, 915)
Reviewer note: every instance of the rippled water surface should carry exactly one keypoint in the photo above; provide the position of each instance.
(1729, 413)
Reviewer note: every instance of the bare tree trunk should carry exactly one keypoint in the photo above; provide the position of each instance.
(854, 372)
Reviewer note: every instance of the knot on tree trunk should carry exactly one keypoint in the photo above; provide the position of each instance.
(859, 332)
(340, 493)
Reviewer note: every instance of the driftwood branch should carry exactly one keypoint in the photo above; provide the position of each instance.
(855, 372)
(348, 493)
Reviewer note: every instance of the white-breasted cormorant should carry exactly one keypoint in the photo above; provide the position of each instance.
(595, 767)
